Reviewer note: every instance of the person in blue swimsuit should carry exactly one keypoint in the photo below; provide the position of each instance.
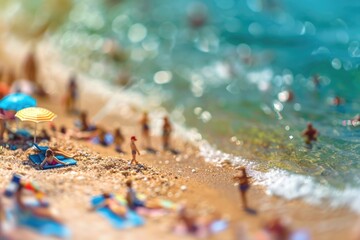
(244, 185)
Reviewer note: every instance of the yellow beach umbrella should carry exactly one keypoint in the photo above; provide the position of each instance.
(36, 115)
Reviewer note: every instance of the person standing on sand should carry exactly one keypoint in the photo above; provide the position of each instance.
(134, 150)
(118, 140)
(244, 185)
(145, 129)
(167, 129)
(310, 134)
(72, 95)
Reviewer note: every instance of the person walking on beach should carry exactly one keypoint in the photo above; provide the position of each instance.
(145, 129)
(244, 185)
(134, 150)
(310, 134)
(118, 140)
(167, 129)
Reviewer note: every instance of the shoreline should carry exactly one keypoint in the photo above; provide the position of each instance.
(216, 180)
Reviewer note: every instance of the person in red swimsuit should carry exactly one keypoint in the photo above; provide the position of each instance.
(50, 159)
(310, 134)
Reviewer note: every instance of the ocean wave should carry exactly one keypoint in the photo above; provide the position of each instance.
(287, 185)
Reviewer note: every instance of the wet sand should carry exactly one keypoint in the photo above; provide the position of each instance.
(101, 169)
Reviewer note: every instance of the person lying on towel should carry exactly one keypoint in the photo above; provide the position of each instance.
(38, 211)
(113, 205)
(50, 159)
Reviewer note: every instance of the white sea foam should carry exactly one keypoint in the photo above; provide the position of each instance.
(288, 185)
(276, 181)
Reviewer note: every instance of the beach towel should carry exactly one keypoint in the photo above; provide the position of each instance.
(300, 235)
(132, 218)
(40, 225)
(166, 206)
(202, 230)
(41, 148)
(38, 158)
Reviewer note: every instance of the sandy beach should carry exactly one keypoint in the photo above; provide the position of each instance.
(208, 187)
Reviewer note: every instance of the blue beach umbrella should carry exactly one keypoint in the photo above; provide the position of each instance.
(17, 101)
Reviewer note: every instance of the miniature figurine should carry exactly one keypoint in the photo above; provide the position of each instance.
(57, 151)
(145, 129)
(118, 140)
(72, 95)
(50, 159)
(101, 136)
(113, 205)
(84, 125)
(134, 202)
(244, 185)
(134, 150)
(316, 80)
(310, 134)
(44, 135)
(131, 198)
(63, 130)
(167, 129)
(53, 128)
(39, 211)
(337, 101)
(84, 121)
(186, 219)
(277, 229)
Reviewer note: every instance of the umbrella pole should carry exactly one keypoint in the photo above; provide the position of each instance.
(35, 133)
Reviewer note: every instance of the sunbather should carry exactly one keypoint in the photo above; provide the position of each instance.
(50, 159)
(58, 151)
(195, 224)
(39, 211)
(113, 205)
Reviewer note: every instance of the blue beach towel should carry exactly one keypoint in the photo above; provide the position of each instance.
(132, 218)
(41, 148)
(40, 225)
(38, 158)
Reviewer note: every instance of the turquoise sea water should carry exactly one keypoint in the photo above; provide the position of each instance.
(220, 66)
